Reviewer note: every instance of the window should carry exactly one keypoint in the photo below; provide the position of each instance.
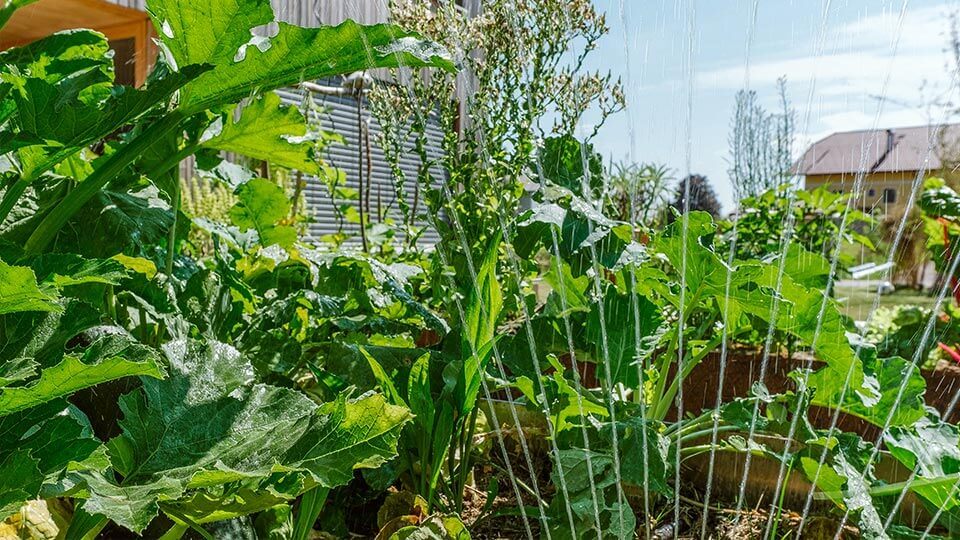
(889, 196)
(871, 192)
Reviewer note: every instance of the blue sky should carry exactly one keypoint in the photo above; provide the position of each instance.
(650, 44)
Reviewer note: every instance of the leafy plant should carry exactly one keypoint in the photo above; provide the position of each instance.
(639, 193)
(816, 216)
(90, 210)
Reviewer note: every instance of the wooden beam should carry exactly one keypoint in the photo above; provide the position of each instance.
(45, 17)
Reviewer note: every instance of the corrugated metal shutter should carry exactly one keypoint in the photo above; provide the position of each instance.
(311, 12)
(340, 116)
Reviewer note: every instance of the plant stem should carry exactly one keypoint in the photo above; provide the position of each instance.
(311, 504)
(360, 192)
(98, 179)
(465, 459)
(84, 526)
(189, 523)
(678, 428)
(783, 494)
(663, 370)
(175, 533)
(666, 398)
(172, 239)
(703, 432)
(896, 489)
(11, 196)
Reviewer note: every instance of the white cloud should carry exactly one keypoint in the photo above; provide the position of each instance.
(857, 71)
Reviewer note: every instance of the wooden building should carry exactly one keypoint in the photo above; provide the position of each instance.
(889, 161)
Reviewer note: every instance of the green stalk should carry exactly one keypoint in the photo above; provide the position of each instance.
(176, 197)
(166, 165)
(685, 369)
(663, 370)
(176, 532)
(783, 494)
(311, 504)
(11, 196)
(896, 489)
(189, 523)
(436, 462)
(704, 432)
(465, 459)
(93, 184)
(111, 303)
(680, 427)
(84, 526)
(172, 238)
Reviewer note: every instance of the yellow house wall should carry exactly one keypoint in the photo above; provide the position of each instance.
(900, 182)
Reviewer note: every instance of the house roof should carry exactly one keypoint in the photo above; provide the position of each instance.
(878, 151)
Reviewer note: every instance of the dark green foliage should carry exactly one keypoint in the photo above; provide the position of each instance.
(694, 193)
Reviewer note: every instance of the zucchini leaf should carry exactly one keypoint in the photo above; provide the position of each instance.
(207, 427)
(38, 444)
(19, 291)
(887, 376)
(220, 33)
(262, 205)
(111, 356)
(266, 130)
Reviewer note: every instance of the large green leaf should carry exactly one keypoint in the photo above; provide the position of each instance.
(60, 55)
(80, 110)
(110, 357)
(261, 205)
(240, 498)
(19, 291)
(119, 222)
(219, 33)
(762, 291)
(617, 341)
(266, 130)
(845, 478)
(486, 300)
(207, 425)
(562, 161)
(38, 444)
(62, 270)
(434, 528)
(887, 376)
(42, 337)
(932, 449)
(479, 327)
(20, 481)
(592, 500)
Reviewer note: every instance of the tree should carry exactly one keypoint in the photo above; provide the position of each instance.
(702, 196)
(761, 143)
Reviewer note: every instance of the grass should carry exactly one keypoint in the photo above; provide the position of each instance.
(859, 298)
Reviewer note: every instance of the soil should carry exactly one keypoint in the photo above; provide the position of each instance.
(503, 521)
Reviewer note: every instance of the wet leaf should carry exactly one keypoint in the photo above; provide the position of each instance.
(165, 451)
